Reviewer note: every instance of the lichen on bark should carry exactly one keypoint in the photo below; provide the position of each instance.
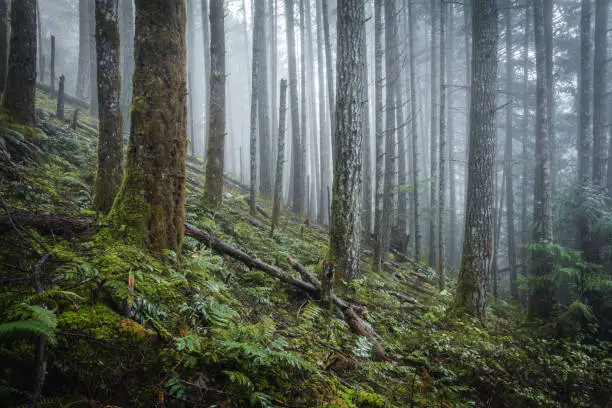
(150, 203)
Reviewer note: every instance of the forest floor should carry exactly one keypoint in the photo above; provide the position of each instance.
(201, 328)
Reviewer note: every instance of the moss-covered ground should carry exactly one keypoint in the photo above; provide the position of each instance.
(200, 329)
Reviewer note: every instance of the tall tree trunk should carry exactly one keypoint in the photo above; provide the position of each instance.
(297, 149)
(266, 171)
(600, 112)
(508, 159)
(433, 136)
(126, 26)
(584, 137)
(273, 44)
(83, 68)
(525, 231)
(41, 52)
(151, 200)
(19, 95)
(253, 128)
(415, 138)
(476, 256)
(207, 73)
(402, 238)
(93, 62)
(304, 114)
(191, 87)
(452, 183)
(548, 40)
(324, 129)
(330, 75)
(4, 42)
(345, 231)
(280, 161)
(312, 105)
(216, 121)
(379, 228)
(390, 126)
(540, 302)
(442, 156)
(110, 141)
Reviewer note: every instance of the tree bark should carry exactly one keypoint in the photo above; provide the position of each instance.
(19, 95)
(379, 229)
(207, 66)
(433, 134)
(525, 232)
(344, 226)
(366, 219)
(415, 136)
(508, 158)
(59, 112)
(280, 161)
(126, 40)
(330, 76)
(266, 170)
(471, 289)
(297, 150)
(540, 302)
(392, 77)
(253, 123)
(110, 142)
(4, 42)
(52, 66)
(442, 152)
(600, 118)
(324, 129)
(151, 200)
(93, 61)
(83, 68)
(216, 121)
(452, 183)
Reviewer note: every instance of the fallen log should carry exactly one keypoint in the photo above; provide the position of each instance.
(57, 224)
(305, 273)
(349, 310)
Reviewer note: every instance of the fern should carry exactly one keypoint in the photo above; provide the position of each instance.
(240, 379)
(31, 320)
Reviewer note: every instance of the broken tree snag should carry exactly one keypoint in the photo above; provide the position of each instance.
(60, 98)
(75, 119)
(57, 224)
(327, 286)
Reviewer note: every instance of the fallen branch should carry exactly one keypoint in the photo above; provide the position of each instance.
(305, 273)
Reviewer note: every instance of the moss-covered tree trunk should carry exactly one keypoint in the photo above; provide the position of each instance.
(4, 45)
(150, 203)
(126, 32)
(345, 226)
(19, 96)
(266, 149)
(110, 141)
(471, 292)
(600, 94)
(216, 122)
(280, 160)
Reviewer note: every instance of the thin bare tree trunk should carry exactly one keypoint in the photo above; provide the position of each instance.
(216, 121)
(266, 170)
(600, 111)
(330, 75)
(324, 129)
(415, 138)
(379, 228)
(83, 67)
(508, 158)
(540, 302)
(433, 135)
(280, 161)
(442, 153)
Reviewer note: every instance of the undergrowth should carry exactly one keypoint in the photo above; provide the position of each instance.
(199, 329)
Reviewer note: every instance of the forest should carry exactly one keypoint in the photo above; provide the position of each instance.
(305, 203)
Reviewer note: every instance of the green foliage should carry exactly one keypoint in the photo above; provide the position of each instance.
(30, 320)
